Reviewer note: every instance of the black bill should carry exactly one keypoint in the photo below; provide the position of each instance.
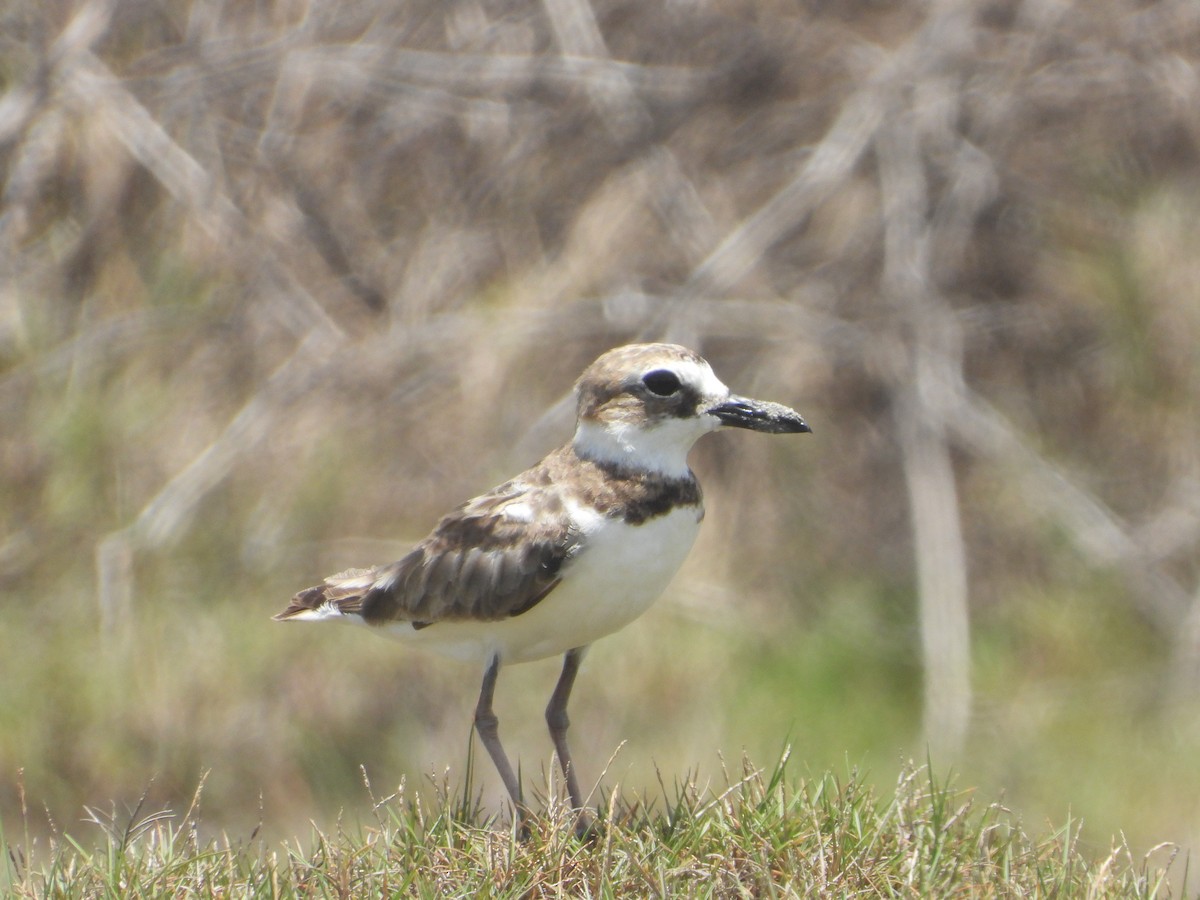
(759, 415)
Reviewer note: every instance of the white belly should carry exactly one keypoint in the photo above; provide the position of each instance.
(620, 571)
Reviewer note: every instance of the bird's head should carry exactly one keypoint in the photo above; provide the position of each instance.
(644, 405)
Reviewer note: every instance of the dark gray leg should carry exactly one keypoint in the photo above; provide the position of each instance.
(488, 727)
(556, 718)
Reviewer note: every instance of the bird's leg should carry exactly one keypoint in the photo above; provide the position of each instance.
(556, 718)
(488, 727)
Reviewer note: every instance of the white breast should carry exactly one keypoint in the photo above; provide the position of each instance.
(620, 570)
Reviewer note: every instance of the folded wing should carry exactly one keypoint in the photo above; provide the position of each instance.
(497, 556)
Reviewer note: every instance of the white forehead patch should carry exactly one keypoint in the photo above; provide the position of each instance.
(698, 375)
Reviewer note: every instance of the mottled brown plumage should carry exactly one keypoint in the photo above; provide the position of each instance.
(486, 560)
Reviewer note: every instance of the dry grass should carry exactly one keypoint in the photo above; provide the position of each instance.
(762, 835)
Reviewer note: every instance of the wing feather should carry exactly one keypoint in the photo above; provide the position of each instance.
(478, 563)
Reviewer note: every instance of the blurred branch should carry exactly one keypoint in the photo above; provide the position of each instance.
(829, 164)
(935, 349)
(92, 84)
(161, 520)
(101, 344)
(1176, 527)
(672, 194)
(164, 517)
(931, 398)
(919, 99)
(383, 67)
(578, 35)
(1098, 533)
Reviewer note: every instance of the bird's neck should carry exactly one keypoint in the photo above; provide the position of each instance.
(659, 450)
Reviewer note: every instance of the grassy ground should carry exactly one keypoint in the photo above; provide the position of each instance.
(282, 717)
(763, 833)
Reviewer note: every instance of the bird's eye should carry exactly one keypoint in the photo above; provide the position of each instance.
(661, 382)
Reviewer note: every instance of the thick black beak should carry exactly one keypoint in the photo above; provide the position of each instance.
(759, 415)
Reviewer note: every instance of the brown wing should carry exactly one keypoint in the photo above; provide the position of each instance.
(497, 556)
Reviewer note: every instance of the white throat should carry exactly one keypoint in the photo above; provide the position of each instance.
(661, 448)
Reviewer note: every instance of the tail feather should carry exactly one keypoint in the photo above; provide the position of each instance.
(339, 595)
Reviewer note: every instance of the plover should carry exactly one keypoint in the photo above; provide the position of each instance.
(567, 552)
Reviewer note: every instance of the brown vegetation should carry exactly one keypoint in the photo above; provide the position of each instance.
(279, 274)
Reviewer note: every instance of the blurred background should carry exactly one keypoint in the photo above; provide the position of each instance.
(282, 282)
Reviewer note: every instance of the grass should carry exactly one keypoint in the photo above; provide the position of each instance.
(762, 833)
(282, 717)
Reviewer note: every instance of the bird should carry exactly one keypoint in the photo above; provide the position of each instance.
(569, 551)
